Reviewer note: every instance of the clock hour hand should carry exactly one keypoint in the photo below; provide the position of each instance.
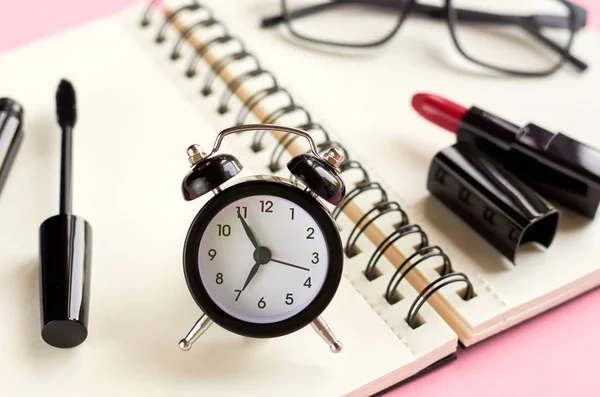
(253, 272)
(290, 264)
(248, 231)
(262, 256)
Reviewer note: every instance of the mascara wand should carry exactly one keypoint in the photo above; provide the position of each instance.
(65, 248)
(66, 114)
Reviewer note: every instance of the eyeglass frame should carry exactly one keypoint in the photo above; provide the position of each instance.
(577, 19)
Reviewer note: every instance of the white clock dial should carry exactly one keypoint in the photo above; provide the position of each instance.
(278, 289)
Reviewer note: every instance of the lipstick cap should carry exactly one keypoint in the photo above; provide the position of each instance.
(500, 207)
(65, 252)
(11, 135)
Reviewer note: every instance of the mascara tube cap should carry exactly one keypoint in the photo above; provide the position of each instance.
(65, 252)
(11, 135)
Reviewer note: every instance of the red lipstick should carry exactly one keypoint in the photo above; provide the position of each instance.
(555, 165)
(439, 111)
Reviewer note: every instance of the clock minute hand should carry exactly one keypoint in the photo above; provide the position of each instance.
(248, 231)
(290, 264)
(251, 275)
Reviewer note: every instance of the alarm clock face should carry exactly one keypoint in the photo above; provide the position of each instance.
(263, 258)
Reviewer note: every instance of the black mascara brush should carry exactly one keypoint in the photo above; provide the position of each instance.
(66, 115)
(65, 248)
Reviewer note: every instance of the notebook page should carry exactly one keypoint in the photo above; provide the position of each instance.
(130, 139)
(428, 343)
(365, 97)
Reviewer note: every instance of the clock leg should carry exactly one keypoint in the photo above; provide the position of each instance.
(197, 330)
(321, 327)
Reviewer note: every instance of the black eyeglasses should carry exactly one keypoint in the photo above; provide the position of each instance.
(519, 37)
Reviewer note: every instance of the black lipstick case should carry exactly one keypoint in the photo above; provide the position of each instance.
(11, 135)
(499, 206)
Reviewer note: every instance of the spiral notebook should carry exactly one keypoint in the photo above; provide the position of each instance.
(154, 80)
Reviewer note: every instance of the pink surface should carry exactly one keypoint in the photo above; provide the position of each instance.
(554, 355)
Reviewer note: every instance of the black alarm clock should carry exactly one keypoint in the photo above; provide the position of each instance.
(263, 257)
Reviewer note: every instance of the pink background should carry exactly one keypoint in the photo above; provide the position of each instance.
(555, 355)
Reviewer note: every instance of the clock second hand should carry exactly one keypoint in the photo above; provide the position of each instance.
(290, 264)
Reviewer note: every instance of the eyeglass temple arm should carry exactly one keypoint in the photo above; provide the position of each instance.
(534, 31)
(530, 23)
(580, 19)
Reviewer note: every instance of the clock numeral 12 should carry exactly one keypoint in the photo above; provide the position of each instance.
(266, 206)
(224, 230)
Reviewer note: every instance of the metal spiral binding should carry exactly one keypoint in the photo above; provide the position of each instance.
(236, 83)
(425, 253)
(355, 165)
(357, 191)
(382, 208)
(191, 70)
(145, 21)
(390, 240)
(257, 98)
(160, 36)
(204, 23)
(223, 63)
(434, 287)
